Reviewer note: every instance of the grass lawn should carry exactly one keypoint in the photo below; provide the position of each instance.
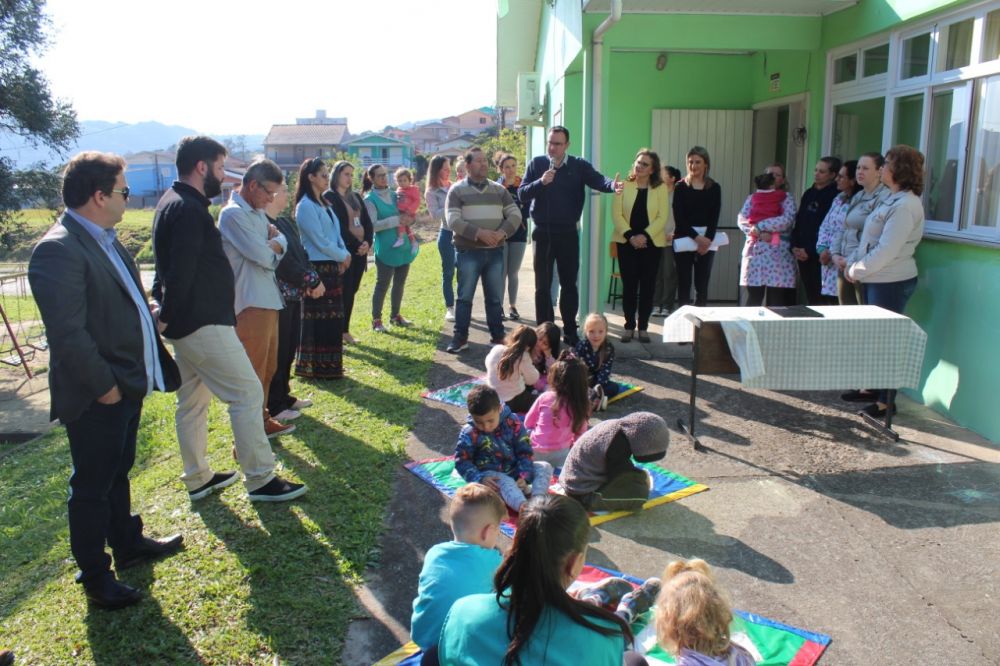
(133, 231)
(255, 584)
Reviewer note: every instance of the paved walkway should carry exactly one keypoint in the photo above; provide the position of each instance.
(890, 548)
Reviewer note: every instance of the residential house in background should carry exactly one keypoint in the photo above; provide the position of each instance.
(290, 145)
(380, 149)
(790, 81)
(426, 138)
(474, 121)
(454, 147)
(150, 173)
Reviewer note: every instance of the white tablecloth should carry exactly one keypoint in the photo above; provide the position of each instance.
(853, 346)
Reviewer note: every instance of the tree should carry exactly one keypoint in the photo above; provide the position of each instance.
(508, 141)
(27, 108)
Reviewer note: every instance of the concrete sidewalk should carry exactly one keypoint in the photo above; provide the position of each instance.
(890, 548)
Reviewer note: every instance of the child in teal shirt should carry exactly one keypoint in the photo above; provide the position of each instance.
(461, 567)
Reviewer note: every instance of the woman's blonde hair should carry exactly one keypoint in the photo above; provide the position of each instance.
(691, 611)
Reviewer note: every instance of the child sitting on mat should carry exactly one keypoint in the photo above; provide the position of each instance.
(546, 351)
(510, 371)
(460, 567)
(598, 353)
(560, 414)
(693, 617)
(599, 472)
(494, 449)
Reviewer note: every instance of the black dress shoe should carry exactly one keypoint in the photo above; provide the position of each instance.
(875, 411)
(110, 594)
(148, 550)
(6, 658)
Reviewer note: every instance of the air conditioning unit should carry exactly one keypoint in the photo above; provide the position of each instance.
(529, 105)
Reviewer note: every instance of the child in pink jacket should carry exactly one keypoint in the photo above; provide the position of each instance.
(560, 415)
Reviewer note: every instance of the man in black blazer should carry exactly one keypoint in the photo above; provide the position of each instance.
(105, 358)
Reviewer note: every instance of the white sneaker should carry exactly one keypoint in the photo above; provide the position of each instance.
(288, 415)
(449, 314)
(302, 403)
(604, 403)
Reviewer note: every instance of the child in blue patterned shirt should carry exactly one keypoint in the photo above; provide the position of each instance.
(494, 449)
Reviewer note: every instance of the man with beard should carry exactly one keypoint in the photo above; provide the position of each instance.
(195, 296)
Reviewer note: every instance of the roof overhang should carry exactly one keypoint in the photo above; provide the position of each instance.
(771, 7)
(518, 23)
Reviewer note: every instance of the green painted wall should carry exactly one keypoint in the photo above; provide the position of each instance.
(959, 284)
(955, 304)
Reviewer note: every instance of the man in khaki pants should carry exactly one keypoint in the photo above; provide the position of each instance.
(194, 294)
(254, 248)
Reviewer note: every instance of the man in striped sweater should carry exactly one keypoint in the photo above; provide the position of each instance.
(482, 216)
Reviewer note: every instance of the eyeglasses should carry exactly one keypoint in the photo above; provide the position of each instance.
(124, 192)
(263, 188)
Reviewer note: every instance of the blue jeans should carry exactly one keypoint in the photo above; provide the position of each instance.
(512, 495)
(471, 265)
(447, 250)
(893, 297)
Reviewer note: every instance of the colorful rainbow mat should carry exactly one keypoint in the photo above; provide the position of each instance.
(667, 487)
(457, 393)
(770, 642)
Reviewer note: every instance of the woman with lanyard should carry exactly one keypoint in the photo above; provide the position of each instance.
(355, 229)
(640, 214)
(392, 264)
(322, 346)
(513, 249)
(697, 204)
(438, 183)
(864, 201)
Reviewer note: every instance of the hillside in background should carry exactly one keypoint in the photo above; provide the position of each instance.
(114, 137)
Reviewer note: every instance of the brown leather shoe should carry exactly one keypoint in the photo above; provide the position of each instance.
(275, 428)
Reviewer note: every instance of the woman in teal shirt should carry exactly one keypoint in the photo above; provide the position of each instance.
(532, 619)
(392, 264)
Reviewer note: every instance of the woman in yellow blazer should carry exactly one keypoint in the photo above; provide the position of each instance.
(641, 215)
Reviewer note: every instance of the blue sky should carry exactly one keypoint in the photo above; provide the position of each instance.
(231, 68)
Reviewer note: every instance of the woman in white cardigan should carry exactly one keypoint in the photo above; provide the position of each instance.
(883, 262)
(321, 349)
(641, 215)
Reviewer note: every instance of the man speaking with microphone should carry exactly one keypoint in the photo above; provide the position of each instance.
(553, 185)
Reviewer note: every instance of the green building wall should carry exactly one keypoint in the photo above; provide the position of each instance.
(959, 283)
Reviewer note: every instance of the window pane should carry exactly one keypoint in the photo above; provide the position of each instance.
(986, 153)
(877, 60)
(957, 51)
(991, 40)
(948, 118)
(909, 109)
(916, 51)
(845, 69)
(857, 128)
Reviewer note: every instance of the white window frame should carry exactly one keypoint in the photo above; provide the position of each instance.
(891, 86)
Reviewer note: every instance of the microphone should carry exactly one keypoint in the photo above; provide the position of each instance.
(553, 164)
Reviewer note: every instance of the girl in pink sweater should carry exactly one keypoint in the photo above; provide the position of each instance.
(560, 414)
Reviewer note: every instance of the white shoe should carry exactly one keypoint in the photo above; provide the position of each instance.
(288, 415)
(449, 314)
(604, 403)
(302, 403)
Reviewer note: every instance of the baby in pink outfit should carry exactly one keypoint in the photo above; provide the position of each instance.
(408, 202)
(766, 202)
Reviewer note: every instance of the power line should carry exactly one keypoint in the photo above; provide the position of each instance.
(100, 131)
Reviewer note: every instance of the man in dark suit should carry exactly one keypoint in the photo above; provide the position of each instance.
(105, 358)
